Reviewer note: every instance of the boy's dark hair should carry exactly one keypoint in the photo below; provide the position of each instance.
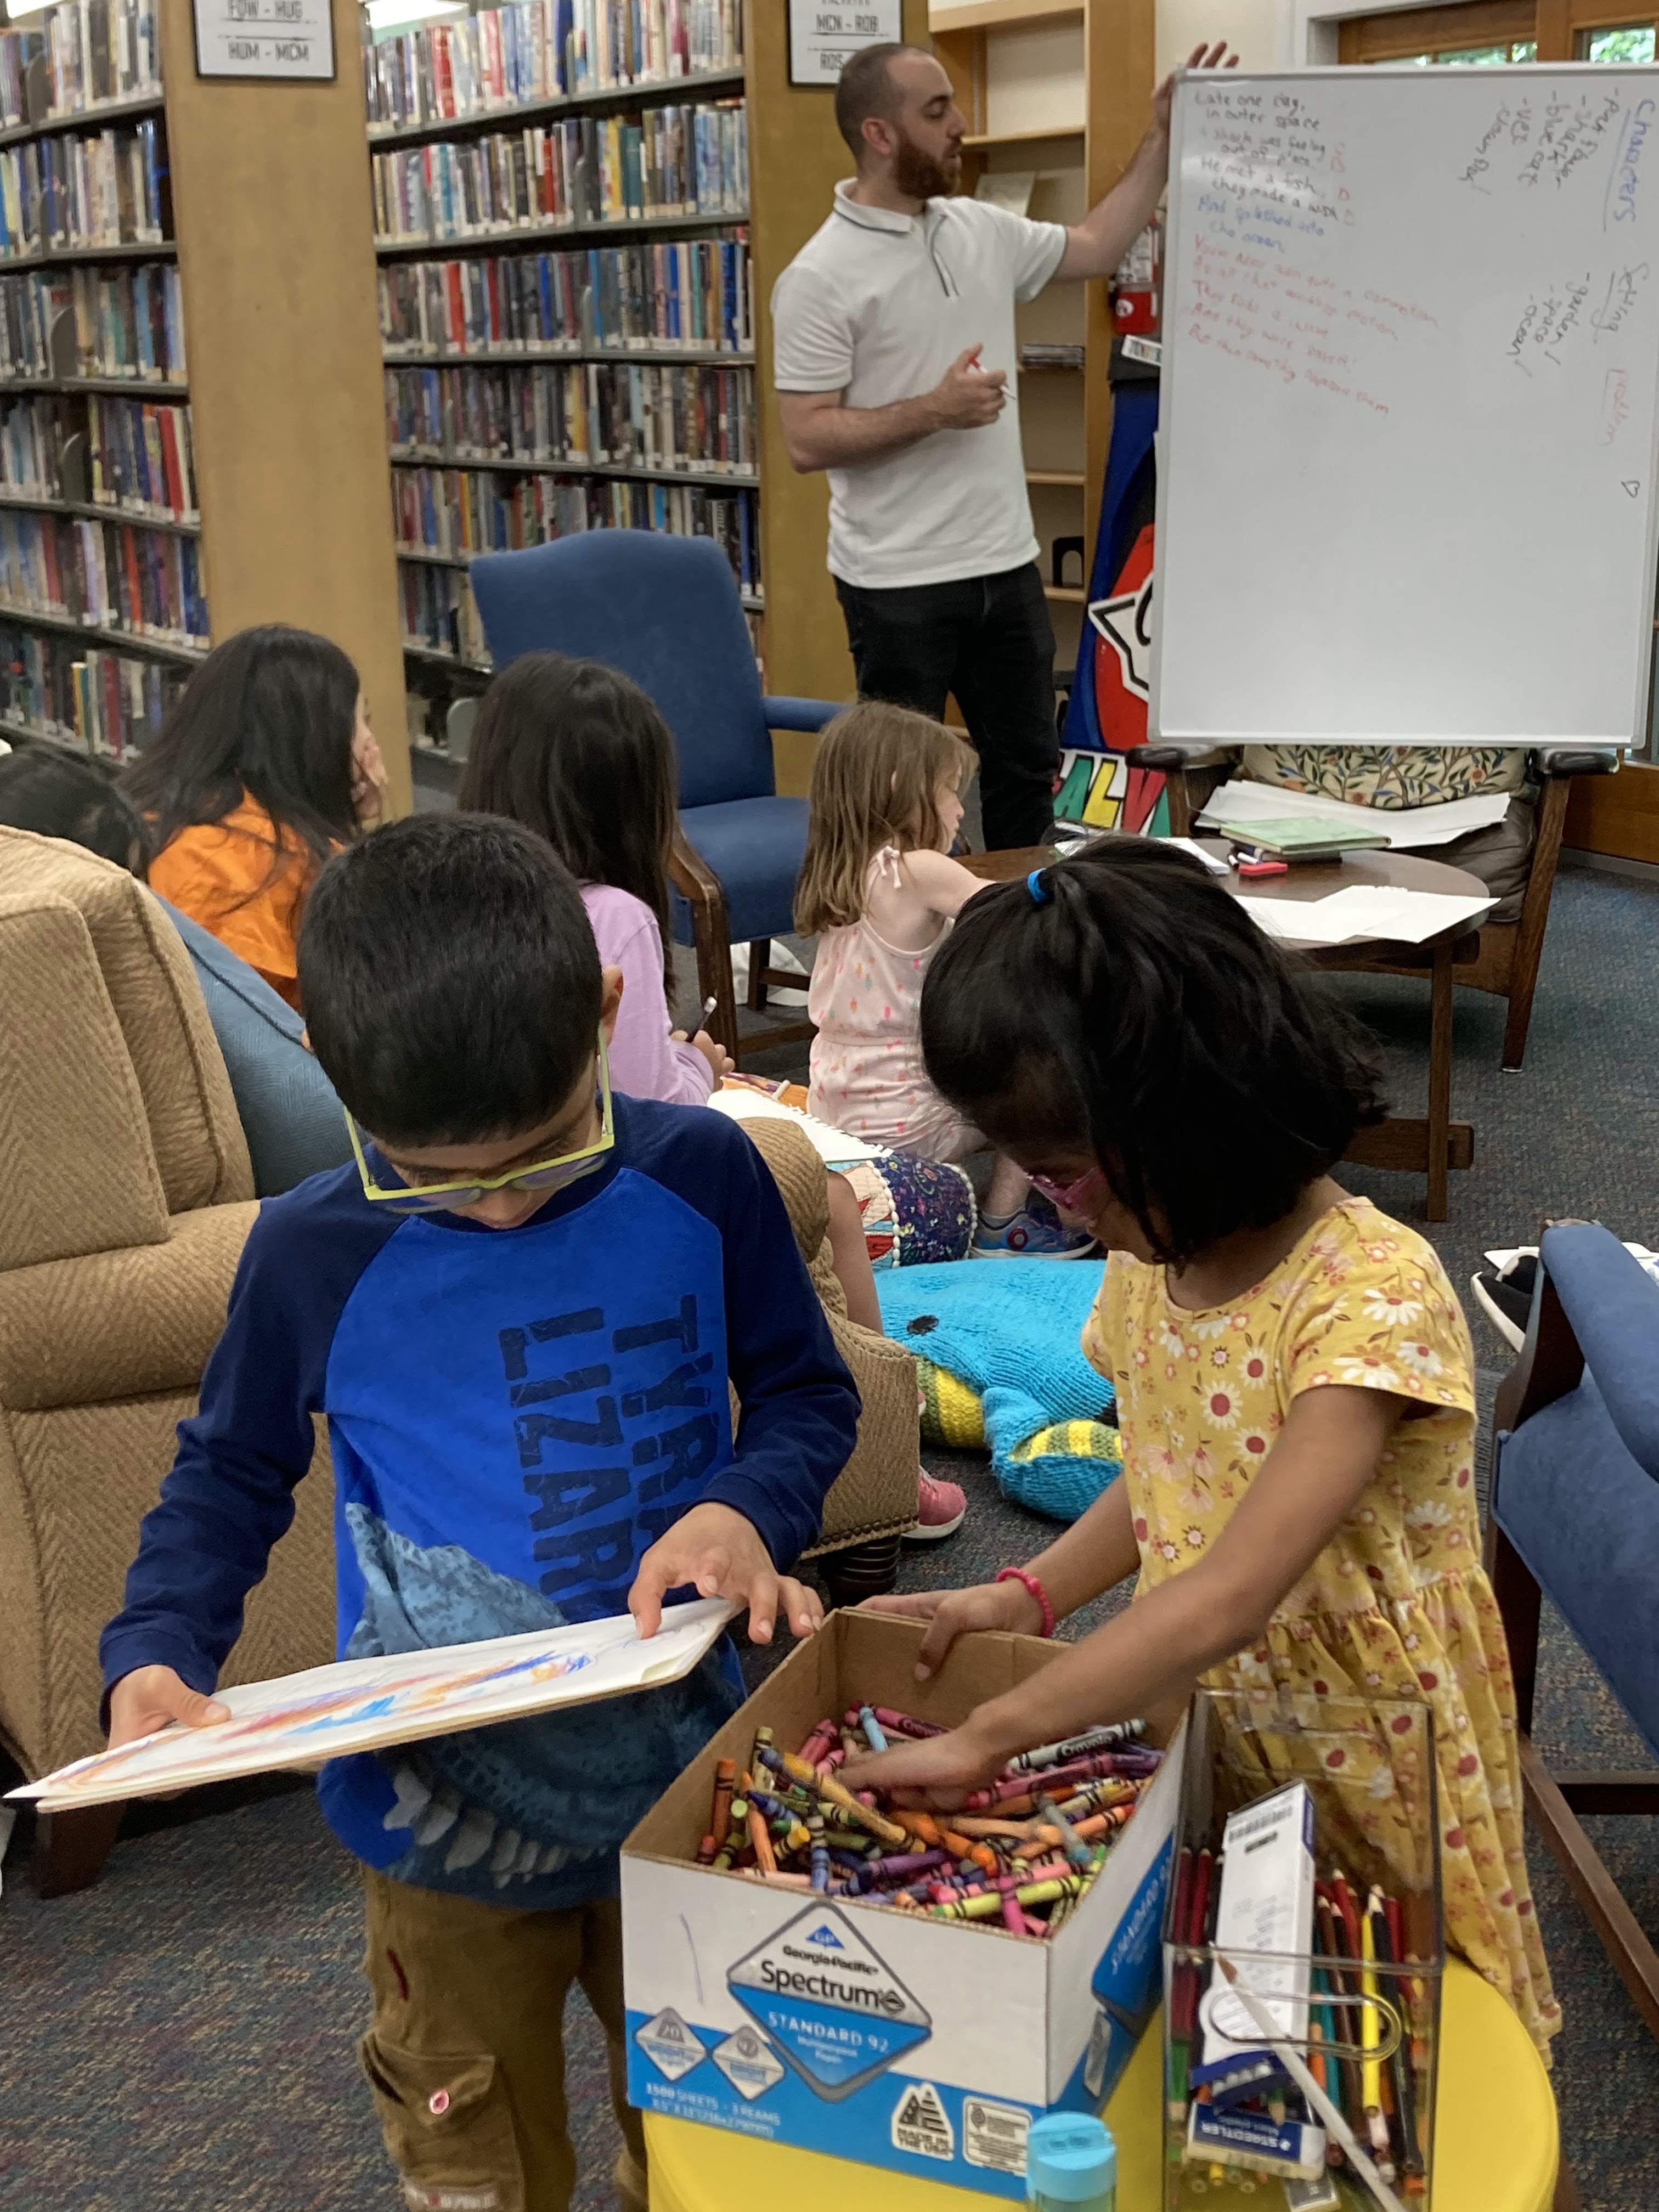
(56, 795)
(450, 981)
(577, 752)
(1137, 1012)
(269, 715)
(865, 87)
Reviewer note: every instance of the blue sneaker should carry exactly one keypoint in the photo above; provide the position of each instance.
(1036, 1232)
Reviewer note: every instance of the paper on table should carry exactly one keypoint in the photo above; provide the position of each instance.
(1363, 910)
(834, 1146)
(1237, 804)
(364, 1705)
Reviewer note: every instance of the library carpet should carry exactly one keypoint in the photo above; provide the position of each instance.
(182, 2035)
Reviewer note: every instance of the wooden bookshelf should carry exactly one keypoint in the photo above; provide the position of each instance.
(1059, 87)
(263, 186)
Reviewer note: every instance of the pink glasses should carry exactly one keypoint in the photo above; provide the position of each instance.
(1073, 1197)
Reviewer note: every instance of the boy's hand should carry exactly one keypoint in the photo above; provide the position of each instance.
(715, 1549)
(150, 1697)
(1008, 1606)
(936, 1775)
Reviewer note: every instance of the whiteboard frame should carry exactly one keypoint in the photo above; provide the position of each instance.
(1646, 643)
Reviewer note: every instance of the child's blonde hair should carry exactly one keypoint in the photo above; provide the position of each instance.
(875, 782)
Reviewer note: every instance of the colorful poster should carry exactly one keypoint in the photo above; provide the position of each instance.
(1107, 712)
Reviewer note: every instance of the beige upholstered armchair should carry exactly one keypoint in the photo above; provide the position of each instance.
(125, 1197)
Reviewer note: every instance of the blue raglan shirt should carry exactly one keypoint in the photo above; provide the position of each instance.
(516, 1415)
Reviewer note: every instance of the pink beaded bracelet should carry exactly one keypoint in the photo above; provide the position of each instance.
(1025, 1575)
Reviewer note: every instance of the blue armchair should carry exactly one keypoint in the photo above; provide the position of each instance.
(1575, 1516)
(665, 610)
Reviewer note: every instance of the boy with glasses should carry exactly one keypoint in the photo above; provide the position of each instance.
(517, 1310)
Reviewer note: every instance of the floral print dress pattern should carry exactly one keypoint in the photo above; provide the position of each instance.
(1398, 1603)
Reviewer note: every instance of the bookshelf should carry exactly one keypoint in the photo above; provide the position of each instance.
(1057, 90)
(180, 430)
(574, 277)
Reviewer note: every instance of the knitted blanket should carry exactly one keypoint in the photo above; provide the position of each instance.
(1007, 1331)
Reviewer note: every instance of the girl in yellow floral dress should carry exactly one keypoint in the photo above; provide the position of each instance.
(1294, 1374)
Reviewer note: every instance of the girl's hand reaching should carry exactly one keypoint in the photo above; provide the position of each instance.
(1008, 1606)
(935, 1774)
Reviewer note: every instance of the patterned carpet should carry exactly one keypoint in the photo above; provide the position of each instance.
(181, 2037)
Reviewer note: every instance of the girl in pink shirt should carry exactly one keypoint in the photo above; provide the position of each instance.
(578, 753)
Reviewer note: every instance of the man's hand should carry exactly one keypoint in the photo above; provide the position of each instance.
(1008, 1606)
(936, 1775)
(718, 1552)
(967, 397)
(1201, 57)
(150, 1697)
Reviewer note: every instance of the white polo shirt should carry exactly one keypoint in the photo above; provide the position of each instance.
(878, 305)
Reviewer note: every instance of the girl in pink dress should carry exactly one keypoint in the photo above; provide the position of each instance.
(880, 892)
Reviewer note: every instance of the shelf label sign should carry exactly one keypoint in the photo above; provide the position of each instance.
(282, 39)
(821, 36)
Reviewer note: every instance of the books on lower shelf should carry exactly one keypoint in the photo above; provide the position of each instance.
(131, 456)
(84, 192)
(129, 321)
(111, 575)
(461, 512)
(440, 615)
(108, 702)
(690, 292)
(544, 50)
(666, 161)
(613, 413)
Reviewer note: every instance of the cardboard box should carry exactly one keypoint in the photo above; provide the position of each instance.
(848, 2026)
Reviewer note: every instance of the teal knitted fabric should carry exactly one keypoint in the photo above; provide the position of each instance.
(1009, 1329)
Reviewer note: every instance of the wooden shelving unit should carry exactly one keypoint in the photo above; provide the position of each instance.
(289, 522)
(1057, 88)
(439, 675)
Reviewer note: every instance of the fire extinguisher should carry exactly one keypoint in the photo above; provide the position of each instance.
(1137, 288)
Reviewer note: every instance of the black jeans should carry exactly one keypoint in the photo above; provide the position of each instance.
(987, 638)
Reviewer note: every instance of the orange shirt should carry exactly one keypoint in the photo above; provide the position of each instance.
(221, 875)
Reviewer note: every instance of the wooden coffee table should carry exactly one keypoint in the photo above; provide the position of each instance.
(1428, 1146)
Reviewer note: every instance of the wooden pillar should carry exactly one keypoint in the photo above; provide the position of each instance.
(1120, 42)
(277, 259)
(796, 155)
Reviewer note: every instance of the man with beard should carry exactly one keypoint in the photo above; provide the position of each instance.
(893, 351)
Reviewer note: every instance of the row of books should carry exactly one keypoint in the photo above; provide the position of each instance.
(129, 321)
(467, 511)
(544, 50)
(116, 575)
(586, 169)
(129, 456)
(91, 51)
(691, 292)
(108, 702)
(620, 414)
(110, 190)
(438, 613)
(141, 457)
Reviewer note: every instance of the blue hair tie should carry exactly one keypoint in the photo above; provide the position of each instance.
(1040, 892)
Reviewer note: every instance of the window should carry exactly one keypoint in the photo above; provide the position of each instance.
(1630, 42)
(1490, 33)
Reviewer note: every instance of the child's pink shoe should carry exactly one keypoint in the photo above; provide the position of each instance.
(941, 1509)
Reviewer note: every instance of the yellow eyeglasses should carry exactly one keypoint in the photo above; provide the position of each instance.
(544, 1175)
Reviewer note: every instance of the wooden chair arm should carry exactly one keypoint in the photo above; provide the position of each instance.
(694, 879)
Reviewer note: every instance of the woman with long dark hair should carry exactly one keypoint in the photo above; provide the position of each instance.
(264, 766)
(578, 753)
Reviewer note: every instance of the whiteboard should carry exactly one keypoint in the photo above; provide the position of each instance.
(1407, 451)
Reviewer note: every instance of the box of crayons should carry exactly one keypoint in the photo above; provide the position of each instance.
(907, 1990)
(1304, 1951)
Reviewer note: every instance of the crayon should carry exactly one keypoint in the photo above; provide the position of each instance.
(820, 1851)
(1371, 2040)
(759, 1843)
(1076, 1746)
(872, 1727)
(826, 1786)
(822, 1738)
(719, 1814)
(736, 1835)
(1075, 1848)
(906, 1724)
(706, 1850)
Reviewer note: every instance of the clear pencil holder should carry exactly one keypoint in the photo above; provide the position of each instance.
(1307, 2078)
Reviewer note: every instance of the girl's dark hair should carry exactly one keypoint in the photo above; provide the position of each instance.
(56, 795)
(577, 752)
(1134, 1011)
(270, 714)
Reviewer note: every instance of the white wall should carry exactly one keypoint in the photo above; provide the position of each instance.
(1250, 27)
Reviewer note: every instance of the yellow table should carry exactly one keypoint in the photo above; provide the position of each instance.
(1496, 2138)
